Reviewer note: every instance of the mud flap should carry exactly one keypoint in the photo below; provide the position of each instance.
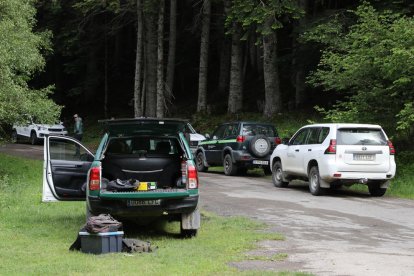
(324, 184)
(191, 220)
(385, 184)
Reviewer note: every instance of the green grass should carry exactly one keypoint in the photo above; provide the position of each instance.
(35, 236)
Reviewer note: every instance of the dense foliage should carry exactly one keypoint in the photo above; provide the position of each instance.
(20, 57)
(372, 64)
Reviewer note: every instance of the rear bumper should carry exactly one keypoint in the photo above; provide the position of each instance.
(245, 159)
(119, 208)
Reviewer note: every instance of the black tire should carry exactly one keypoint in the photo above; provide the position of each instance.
(33, 138)
(314, 182)
(229, 167)
(277, 176)
(200, 162)
(14, 137)
(259, 145)
(241, 170)
(375, 189)
(188, 233)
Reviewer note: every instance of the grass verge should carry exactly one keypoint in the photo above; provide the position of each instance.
(36, 236)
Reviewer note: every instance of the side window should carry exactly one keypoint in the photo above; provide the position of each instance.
(313, 135)
(300, 138)
(219, 133)
(68, 151)
(231, 130)
(323, 134)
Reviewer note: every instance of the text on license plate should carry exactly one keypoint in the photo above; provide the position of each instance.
(152, 202)
(364, 157)
(260, 162)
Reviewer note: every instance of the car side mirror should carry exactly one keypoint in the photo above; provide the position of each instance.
(285, 141)
(207, 136)
(215, 137)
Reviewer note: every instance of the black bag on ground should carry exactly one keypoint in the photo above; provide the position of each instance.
(137, 246)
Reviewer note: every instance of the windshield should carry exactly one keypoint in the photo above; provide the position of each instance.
(255, 129)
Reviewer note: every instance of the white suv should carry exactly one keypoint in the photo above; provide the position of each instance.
(34, 133)
(329, 155)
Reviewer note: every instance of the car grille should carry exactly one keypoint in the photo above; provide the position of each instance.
(55, 129)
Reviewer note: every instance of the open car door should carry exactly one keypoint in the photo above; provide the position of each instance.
(65, 168)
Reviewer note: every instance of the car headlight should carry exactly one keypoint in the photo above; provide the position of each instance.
(41, 128)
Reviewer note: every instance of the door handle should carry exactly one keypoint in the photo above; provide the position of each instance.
(309, 149)
(296, 150)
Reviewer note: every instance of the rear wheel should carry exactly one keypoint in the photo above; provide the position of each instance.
(14, 137)
(229, 167)
(376, 190)
(33, 138)
(200, 162)
(277, 176)
(314, 182)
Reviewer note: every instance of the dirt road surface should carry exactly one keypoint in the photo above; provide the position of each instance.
(341, 233)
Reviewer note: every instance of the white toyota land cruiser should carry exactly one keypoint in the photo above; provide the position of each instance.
(329, 155)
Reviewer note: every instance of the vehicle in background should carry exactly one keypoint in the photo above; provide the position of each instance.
(143, 169)
(238, 146)
(195, 138)
(330, 155)
(34, 133)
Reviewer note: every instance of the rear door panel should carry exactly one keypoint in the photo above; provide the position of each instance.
(362, 150)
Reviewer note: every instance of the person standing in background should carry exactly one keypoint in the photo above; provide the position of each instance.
(78, 128)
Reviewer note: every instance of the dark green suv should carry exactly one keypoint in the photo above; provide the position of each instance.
(143, 169)
(238, 146)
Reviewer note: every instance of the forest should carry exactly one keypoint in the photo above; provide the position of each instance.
(349, 60)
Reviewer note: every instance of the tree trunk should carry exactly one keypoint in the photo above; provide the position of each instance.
(203, 71)
(160, 61)
(151, 61)
(298, 60)
(171, 53)
(235, 102)
(224, 49)
(138, 112)
(273, 102)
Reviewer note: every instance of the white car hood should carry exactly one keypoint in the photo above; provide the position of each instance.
(197, 137)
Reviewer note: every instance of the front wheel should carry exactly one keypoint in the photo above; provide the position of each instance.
(277, 176)
(200, 162)
(229, 167)
(33, 138)
(314, 182)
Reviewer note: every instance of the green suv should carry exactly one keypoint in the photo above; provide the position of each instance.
(238, 146)
(143, 169)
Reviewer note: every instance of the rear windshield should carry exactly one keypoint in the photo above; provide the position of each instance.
(360, 136)
(255, 129)
(143, 145)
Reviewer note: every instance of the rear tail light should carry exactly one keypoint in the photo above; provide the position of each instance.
(192, 177)
(189, 175)
(332, 147)
(184, 172)
(94, 179)
(240, 139)
(391, 146)
(278, 141)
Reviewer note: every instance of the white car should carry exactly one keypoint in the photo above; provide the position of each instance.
(195, 138)
(34, 133)
(329, 155)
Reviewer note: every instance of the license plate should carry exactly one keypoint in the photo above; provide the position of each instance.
(132, 203)
(260, 162)
(364, 157)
